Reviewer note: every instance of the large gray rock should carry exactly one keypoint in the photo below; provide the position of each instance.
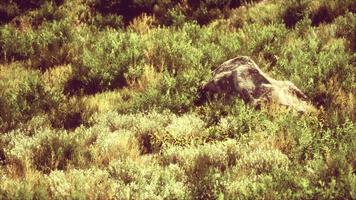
(241, 77)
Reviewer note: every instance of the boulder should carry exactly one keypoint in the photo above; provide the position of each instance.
(240, 77)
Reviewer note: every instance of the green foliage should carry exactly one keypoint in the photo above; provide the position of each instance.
(45, 47)
(327, 11)
(295, 11)
(97, 100)
(15, 44)
(22, 95)
(57, 151)
(9, 9)
(112, 21)
(167, 11)
(104, 61)
(203, 166)
(129, 9)
(345, 28)
(147, 182)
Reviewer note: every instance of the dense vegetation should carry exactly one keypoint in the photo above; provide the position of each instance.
(97, 100)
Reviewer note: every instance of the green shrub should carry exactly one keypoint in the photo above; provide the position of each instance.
(309, 62)
(49, 12)
(201, 11)
(54, 80)
(104, 62)
(51, 45)
(263, 43)
(172, 51)
(57, 151)
(79, 184)
(345, 28)
(327, 11)
(295, 11)
(22, 95)
(27, 189)
(46, 150)
(146, 127)
(9, 9)
(45, 47)
(70, 113)
(177, 95)
(15, 44)
(110, 113)
(204, 166)
(266, 13)
(110, 20)
(155, 131)
(114, 146)
(329, 174)
(263, 160)
(259, 188)
(175, 17)
(149, 182)
(128, 9)
(232, 120)
(196, 158)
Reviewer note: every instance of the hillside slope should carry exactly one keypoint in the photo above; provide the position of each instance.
(97, 100)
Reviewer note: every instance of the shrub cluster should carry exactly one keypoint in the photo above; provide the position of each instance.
(22, 95)
(168, 12)
(97, 100)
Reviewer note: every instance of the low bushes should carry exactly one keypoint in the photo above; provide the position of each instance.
(90, 99)
(9, 9)
(45, 47)
(318, 11)
(22, 95)
(170, 154)
(345, 26)
(167, 11)
(104, 62)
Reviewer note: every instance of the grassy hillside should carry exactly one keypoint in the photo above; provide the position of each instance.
(97, 100)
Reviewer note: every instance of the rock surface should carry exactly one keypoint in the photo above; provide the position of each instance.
(241, 77)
